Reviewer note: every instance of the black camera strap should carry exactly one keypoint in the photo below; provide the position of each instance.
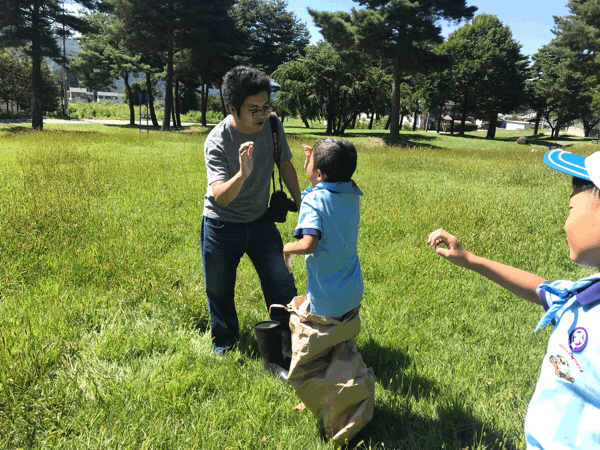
(275, 136)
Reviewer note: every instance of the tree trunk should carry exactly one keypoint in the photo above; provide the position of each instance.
(415, 121)
(151, 100)
(173, 116)
(439, 125)
(177, 105)
(491, 133)
(451, 125)
(395, 115)
(346, 125)
(588, 126)
(225, 113)
(166, 125)
(537, 124)
(204, 103)
(463, 119)
(306, 124)
(131, 99)
(329, 125)
(37, 107)
(371, 121)
(551, 129)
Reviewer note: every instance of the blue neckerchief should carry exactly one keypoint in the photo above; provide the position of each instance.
(342, 187)
(566, 297)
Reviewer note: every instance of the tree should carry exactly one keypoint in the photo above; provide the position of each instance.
(201, 67)
(104, 55)
(35, 25)
(274, 35)
(487, 73)
(578, 42)
(15, 81)
(580, 32)
(327, 84)
(534, 98)
(164, 27)
(563, 91)
(398, 31)
(433, 92)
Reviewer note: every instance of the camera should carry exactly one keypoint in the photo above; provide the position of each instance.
(279, 205)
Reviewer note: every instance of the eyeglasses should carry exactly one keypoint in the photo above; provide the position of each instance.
(261, 112)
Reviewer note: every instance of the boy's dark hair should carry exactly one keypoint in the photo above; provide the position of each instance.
(581, 185)
(240, 83)
(335, 158)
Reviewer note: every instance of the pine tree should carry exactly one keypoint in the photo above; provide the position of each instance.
(398, 31)
(35, 25)
(487, 73)
(273, 35)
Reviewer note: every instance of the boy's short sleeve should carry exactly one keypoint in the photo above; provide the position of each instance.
(309, 221)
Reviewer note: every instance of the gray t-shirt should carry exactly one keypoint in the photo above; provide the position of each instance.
(221, 155)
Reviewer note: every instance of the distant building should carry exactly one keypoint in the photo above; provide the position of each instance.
(112, 97)
(79, 95)
(520, 125)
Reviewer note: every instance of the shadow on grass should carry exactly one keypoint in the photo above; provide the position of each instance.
(407, 139)
(395, 425)
(539, 139)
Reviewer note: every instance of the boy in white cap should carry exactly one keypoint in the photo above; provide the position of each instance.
(564, 412)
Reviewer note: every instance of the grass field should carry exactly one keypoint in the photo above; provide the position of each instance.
(103, 318)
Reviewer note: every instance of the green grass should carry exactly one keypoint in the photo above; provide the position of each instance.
(104, 339)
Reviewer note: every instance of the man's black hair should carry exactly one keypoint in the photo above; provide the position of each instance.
(581, 185)
(240, 83)
(335, 158)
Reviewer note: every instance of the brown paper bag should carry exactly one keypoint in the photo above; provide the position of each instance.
(328, 372)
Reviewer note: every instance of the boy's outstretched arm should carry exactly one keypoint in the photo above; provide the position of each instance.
(305, 246)
(517, 281)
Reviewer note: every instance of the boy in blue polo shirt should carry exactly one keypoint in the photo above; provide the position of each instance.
(327, 371)
(564, 412)
(327, 229)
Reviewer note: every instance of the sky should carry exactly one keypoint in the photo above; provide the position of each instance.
(530, 21)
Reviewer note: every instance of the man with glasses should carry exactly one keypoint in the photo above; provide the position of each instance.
(239, 156)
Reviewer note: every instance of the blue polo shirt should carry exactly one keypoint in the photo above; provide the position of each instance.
(334, 282)
(564, 412)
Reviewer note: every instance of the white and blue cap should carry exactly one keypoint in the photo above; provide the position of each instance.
(584, 167)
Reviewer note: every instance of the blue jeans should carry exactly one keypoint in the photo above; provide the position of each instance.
(223, 245)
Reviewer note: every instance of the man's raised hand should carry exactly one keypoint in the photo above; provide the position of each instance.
(246, 162)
